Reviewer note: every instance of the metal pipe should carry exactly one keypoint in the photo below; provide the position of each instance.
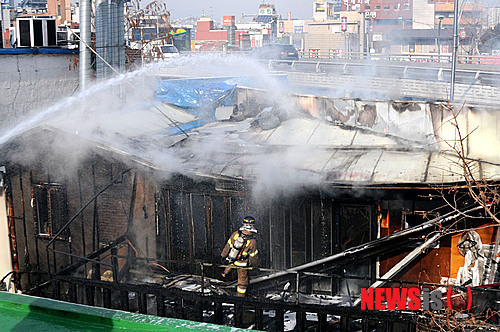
(362, 33)
(85, 40)
(121, 36)
(80, 257)
(101, 35)
(455, 51)
(111, 35)
(110, 39)
(90, 257)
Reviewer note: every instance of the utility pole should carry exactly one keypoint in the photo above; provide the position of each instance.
(362, 36)
(455, 51)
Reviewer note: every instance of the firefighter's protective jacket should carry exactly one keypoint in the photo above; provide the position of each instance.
(248, 253)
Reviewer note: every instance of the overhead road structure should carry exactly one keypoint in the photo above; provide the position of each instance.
(474, 85)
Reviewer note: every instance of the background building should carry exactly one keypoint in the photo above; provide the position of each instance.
(61, 9)
(333, 38)
(323, 10)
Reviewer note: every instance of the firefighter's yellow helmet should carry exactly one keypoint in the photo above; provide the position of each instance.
(248, 220)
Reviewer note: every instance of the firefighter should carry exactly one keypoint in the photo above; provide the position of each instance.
(241, 251)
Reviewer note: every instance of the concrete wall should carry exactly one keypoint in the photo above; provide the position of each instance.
(34, 81)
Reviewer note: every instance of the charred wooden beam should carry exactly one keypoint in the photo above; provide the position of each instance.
(404, 262)
(372, 248)
(132, 202)
(160, 305)
(407, 260)
(87, 204)
(12, 234)
(23, 216)
(82, 219)
(95, 226)
(106, 298)
(91, 256)
(35, 224)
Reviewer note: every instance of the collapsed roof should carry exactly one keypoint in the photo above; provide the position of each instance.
(216, 129)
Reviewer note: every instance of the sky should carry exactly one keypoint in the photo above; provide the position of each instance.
(301, 9)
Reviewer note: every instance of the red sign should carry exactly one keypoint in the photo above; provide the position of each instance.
(463, 34)
(228, 20)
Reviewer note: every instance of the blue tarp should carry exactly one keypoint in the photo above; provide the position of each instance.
(195, 95)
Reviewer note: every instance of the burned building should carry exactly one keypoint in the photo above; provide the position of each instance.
(347, 194)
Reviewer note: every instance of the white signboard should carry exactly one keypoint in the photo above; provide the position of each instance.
(298, 26)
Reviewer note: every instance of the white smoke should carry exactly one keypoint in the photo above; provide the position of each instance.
(96, 117)
(108, 115)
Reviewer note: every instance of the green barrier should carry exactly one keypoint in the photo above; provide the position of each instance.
(27, 313)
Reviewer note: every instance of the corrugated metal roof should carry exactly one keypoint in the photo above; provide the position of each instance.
(321, 152)
(300, 150)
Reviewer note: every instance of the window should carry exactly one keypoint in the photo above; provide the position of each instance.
(50, 208)
(367, 7)
(387, 22)
(406, 6)
(387, 7)
(377, 7)
(396, 6)
(59, 10)
(411, 46)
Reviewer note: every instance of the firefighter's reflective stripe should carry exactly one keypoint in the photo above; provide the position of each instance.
(240, 263)
(245, 246)
(234, 240)
(241, 290)
(254, 253)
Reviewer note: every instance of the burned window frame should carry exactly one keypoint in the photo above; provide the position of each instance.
(44, 196)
